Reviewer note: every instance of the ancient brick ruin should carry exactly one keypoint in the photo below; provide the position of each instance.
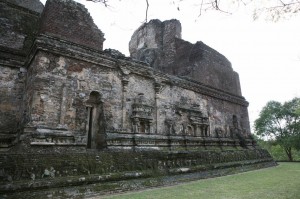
(74, 114)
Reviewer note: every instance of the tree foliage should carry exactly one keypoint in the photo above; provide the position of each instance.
(276, 151)
(281, 122)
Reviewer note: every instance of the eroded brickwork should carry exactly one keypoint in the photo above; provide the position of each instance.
(11, 99)
(62, 20)
(160, 45)
(18, 28)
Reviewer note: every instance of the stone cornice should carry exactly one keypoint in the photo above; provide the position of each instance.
(69, 49)
(11, 57)
(212, 92)
(20, 8)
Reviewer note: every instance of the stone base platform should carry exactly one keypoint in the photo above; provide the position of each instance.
(76, 175)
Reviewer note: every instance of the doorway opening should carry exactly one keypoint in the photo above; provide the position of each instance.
(95, 127)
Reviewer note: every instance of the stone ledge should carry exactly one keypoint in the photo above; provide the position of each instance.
(22, 8)
(156, 142)
(55, 144)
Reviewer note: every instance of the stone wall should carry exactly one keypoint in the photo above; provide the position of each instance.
(35, 175)
(58, 91)
(12, 84)
(131, 99)
(18, 24)
(90, 163)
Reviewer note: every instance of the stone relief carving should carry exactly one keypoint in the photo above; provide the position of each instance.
(219, 132)
(142, 118)
(188, 120)
(234, 129)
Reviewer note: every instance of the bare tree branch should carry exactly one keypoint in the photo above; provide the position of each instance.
(201, 8)
(215, 5)
(146, 20)
(243, 2)
(100, 1)
(277, 9)
(280, 6)
(282, 2)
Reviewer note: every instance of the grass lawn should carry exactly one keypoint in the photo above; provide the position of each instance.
(282, 181)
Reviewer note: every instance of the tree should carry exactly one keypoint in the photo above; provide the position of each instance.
(273, 10)
(281, 122)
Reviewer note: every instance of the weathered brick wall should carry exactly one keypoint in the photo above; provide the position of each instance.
(19, 22)
(11, 98)
(71, 21)
(58, 87)
(160, 45)
(204, 64)
(220, 112)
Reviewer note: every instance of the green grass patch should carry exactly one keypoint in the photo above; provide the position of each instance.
(278, 182)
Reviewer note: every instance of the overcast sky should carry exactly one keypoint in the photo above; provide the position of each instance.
(265, 54)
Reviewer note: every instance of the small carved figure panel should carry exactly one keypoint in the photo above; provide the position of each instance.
(188, 121)
(142, 115)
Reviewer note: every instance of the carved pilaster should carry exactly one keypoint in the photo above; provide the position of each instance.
(125, 80)
(63, 105)
(136, 125)
(157, 89)
(150, 128)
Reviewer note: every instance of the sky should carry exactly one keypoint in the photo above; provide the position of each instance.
(266, 54)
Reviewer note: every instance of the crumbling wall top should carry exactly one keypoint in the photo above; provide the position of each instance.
(33, 5)
(71, 21)
(159, 44)
(19, 20)
(154, 34)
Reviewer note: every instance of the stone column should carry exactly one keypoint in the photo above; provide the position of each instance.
(125, 81)
(63, 105)
(157, 88)
(135, 124)
(150, 127)
(198, 130)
